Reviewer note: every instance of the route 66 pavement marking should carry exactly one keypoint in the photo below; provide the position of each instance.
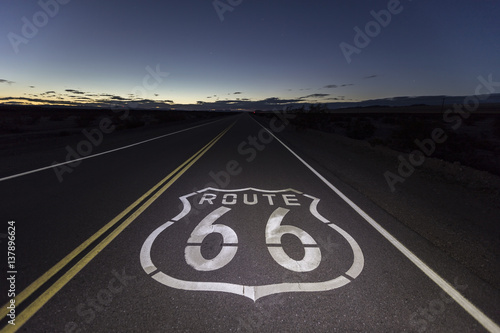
(218, 203)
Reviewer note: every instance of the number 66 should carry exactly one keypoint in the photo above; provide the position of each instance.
(274, 232)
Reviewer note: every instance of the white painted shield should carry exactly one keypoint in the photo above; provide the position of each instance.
(274, 231)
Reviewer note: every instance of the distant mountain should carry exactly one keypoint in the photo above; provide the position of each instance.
(407, 101)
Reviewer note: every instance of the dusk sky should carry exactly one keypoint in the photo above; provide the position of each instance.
(247, 53)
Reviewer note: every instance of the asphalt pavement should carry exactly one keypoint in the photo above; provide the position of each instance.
(222, 227)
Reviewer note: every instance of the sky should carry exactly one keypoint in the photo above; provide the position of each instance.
(242, 54)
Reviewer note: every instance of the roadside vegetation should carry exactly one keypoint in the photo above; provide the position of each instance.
(475, 143)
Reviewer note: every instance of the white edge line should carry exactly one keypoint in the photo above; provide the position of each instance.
(102, 153)
(475, 312)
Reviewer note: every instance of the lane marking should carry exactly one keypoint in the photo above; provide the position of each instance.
(102, 153)
(37, 304)
(63, 262)
(475, 312)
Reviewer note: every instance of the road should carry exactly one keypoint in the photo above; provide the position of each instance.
(222, 227)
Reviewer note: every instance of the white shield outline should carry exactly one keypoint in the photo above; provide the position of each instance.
(252, 292)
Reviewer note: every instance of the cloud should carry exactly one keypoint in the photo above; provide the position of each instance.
(118, 98)
(32, 100)
(109, 101)
(279, 101)
(370, 76)
(315, 96)
(75, 91)
(6, 81)
(334, 86)
(237, 93)
(238, 104)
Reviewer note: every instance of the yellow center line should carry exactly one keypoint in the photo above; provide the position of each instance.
(63, 262)
(61, 282)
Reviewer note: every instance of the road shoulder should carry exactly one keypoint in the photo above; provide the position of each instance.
(453, 207)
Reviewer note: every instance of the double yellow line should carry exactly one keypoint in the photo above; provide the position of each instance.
(136, 208)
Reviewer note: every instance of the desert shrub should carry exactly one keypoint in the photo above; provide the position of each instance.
(390, 120)
(410, 130)
(57, 117)
(34, 119)
(64, 133)
(360, 129)
(299, 123)
(85, 121)
(341, 124)
(133, 122)
(169, 116)
(496, 127)
(376, 142)
(470, 121)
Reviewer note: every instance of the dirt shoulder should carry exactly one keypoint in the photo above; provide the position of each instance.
(454, 207)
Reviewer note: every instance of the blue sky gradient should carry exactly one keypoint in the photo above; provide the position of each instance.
(286, 50)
